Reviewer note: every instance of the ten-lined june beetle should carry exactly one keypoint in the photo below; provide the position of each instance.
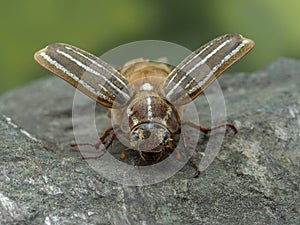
(151, 94)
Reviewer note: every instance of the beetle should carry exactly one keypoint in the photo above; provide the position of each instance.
(150, 94)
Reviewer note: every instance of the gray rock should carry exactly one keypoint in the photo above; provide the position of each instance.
(255, 178)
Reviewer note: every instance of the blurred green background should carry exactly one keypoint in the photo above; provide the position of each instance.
(97, 26)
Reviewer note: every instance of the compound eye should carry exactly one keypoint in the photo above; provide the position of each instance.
(165, 136)
(165, 139)
(134, 136)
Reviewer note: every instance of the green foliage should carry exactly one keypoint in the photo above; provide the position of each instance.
(97, 26)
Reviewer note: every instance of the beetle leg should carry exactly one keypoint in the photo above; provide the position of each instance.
(195, 166)
(123, 153)
(98, 143)
(142, 158)
(107, 145)
(206, 130)
(102, 140)
(191, 159)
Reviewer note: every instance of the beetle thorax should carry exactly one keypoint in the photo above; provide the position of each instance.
(149, 120)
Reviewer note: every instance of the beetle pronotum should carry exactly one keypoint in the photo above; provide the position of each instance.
(152, 94)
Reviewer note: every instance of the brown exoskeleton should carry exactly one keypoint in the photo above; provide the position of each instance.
(150, 94)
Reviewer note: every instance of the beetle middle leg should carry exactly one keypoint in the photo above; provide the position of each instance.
(99, 142)
(206, 130)
(107, 138)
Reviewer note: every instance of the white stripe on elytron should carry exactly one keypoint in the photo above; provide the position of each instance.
(101, 66)
(216, 67)
(89, 69)
(180, 68)
(204, 60)
(73, 76)
(59, 66)
(149, 109)
(167, 116)
(189, 83)
(83, 66)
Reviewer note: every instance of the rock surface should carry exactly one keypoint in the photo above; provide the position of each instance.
(254, 180)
